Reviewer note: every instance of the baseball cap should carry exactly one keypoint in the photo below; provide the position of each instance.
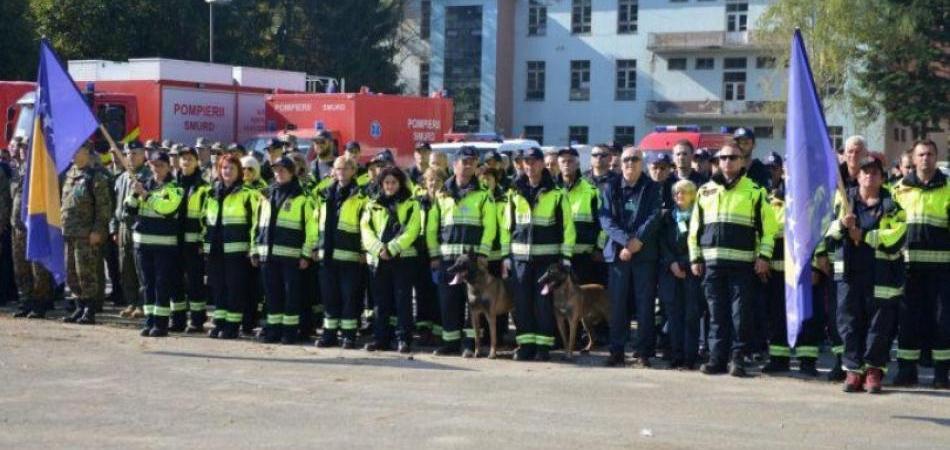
(568, 151)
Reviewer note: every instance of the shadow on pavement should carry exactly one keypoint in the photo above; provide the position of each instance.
(401, 363)
(922, 391)
(935, 420)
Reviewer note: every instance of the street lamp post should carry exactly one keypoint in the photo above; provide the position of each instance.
(211, 26)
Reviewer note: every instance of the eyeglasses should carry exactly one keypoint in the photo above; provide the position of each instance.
(598, 155)
(630, 159)
(730, 157)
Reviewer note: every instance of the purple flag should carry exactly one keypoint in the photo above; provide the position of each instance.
(811, 179)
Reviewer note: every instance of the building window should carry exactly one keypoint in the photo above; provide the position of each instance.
(580, 16)
(676, 64)
(627, 16)
(577, 135)
(535, 89)
(763, 132)
(733, 85)
(737, 15)
(734, 63)
(463, 69)
(537, 18)
(424, 21)
(836, 134)
(534, 132)
(625, 135)
(705, 63)
(580, 80)
(626, 79)
(765, 62)
(424, 79)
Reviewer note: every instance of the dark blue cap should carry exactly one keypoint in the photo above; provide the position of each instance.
(774, 160)
(235, 147)
(285, 162)
(702, 154)
(534, 153)
(743, 133)
(275, 143)
(468, 151)
(158, 155)
(568, 151)
(133, 145)
(660, 158)
(385, 156)
(492, 155)
(352, 145)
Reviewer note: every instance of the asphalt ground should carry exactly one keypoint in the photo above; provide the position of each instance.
(72, 386)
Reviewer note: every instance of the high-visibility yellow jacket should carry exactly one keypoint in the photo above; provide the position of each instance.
(732, 224)
(230, 221)
(379, 229)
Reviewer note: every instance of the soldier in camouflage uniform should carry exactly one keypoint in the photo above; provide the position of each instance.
(120, 227)
(7, 288)
(86, 211)
(32, 279)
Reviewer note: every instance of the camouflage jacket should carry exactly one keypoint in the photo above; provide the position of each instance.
(86, 202)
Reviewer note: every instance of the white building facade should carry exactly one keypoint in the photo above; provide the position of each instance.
(590, 71)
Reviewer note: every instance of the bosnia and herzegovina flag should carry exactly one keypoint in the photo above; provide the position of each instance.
(61, 124)
(811, 178)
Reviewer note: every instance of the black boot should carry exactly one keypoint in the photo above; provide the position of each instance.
(147, 328)
(526, 352)
(198, 319)
(88, 316)
(615, 360)
(230, 330)
(806, 366)
(837, 373)
(776, 364)
(327, 339)
(737, 366)
(160, 329)
(179, 321)
(269, 334)
(23, 312)
(215, 332)
(289, 335)
(404, 347)
(452, 348)
(468, 348)
(36, 314)
(77, 313)
(941, 374)
(906, 373)
(543, 353)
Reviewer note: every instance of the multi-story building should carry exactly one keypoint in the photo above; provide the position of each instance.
(588, 71)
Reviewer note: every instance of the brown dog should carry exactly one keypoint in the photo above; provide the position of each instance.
(488, 296)
(573, 303)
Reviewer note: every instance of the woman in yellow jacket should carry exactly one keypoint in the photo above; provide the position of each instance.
(230, 221)
(389, 226)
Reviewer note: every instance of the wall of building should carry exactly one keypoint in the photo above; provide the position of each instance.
(507, 48)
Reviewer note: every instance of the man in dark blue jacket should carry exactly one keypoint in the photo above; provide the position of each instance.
(629, 213)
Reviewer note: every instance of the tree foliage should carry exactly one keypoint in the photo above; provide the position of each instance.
(351, 39)
(887, 56)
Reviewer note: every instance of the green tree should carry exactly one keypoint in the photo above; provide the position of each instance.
(18, 57)
(887, 56)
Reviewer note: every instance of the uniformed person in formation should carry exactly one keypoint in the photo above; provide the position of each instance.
(389, 226)
(34, 282)
(120, 228)
(731, 238)
(86, 210)
(538, 232)
(924, 194)
(340, 252)
(192, 294)
(230, 218)
(865, 244)
(285, 239)
(461, 220)
(155, 233)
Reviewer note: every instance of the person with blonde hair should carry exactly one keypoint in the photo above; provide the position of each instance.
(680, 290)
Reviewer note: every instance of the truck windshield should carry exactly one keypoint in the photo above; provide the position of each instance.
(24, 123)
